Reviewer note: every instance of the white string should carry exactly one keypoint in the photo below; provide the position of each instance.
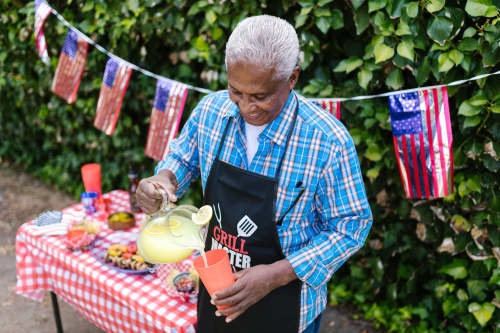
(207, 91)
(454, 83)
(109, 54)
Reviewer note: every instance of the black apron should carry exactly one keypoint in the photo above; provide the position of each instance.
(244, 224)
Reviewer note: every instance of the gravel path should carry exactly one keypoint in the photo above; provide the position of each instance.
(22, 198)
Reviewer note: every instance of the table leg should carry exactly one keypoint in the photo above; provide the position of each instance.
(55, 309)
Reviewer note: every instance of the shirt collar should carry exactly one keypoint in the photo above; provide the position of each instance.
(277, 130)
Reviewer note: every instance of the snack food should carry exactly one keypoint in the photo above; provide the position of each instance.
(125, 257)
(183, 282)
(121, 221)
(81, 235)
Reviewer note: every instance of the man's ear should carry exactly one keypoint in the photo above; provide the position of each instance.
(294, 77)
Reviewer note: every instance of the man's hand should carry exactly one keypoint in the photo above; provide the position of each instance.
(149, 197)
(251, 285)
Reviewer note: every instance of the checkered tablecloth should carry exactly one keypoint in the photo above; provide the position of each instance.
(114, 301)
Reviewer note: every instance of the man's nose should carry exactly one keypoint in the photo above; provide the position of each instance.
(246, 104)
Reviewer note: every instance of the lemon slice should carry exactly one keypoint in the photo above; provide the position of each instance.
(174, 224)
(156, 228)
(203, 216)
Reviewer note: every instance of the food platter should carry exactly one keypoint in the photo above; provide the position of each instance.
(101, 246)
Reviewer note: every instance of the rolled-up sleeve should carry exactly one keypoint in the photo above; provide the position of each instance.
(183, 158)
(345, 217)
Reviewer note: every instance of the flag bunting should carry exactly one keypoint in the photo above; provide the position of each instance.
(70, 67)
(165, 118)
(113, 88)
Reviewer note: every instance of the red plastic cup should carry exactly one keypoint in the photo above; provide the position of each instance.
(218, 274)
(91, 175)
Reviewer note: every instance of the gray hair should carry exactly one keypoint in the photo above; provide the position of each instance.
(265, 40)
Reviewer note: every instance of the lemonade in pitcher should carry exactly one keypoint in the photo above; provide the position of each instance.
(173, 234)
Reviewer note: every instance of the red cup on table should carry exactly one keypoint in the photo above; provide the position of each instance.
(217, 275)
(91, 175)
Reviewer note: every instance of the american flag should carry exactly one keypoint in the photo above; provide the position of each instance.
(70, 67)
(42, 11)
(167, 112)
(422, 138)
(332, 106)
(113, 88)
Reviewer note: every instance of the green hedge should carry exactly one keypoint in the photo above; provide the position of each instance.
(402, 279)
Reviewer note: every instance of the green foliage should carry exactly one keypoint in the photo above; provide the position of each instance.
(429, 265)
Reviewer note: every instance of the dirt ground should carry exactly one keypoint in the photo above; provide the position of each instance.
(22, 198)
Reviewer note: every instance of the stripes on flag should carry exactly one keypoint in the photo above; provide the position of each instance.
(42, 11)
(113, 88)
(422, 137)
(332, 106)
(70, 67)
(168, 105)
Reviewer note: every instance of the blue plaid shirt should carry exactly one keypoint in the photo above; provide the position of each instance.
(331, 220)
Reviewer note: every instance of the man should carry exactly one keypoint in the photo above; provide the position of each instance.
(283, 178)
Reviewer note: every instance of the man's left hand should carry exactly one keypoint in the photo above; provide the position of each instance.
(251, 285)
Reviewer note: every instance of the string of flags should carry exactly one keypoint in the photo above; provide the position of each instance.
(419, 117)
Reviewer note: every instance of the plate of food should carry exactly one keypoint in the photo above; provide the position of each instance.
(119, 251)
(81, 235)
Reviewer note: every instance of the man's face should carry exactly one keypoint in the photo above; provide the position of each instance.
(259, 97)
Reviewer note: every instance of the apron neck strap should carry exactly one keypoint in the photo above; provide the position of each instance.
(290, 131)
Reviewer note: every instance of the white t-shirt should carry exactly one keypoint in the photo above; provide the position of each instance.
(252, 134)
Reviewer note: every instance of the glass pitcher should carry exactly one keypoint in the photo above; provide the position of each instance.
(170, 235)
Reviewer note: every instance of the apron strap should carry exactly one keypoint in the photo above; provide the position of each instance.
(223, 139)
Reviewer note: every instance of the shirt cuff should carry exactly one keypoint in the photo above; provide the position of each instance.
(308, 268)
(181, 172)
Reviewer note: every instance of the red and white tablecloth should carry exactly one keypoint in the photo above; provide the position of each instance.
(114, 301)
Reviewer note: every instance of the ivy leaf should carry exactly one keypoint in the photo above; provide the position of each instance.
(434, 5)
(348, 65)
(405, 49)
(412, 9)
(300, 20)
(374, 5)
(383, 52)
(469, 32)
(478, 100)
(444, 62)
(423, 71)
(133, 5)
(395, 79)
(495, 277)
(468, 44)
(361, 19)
(495, 109)
(482, 313)
(373, 153)
(471, 121)
(403, 29)
(481, 8)
(476, 289)
(440, 29)
(321, 3)
(456, 269)
(323, 24)
(357, 3)
(211, 17)
(216, 33)
(456, 56)
(468, 110)
(364, 78)
(474, 183)
(200, 44)
(337, 19)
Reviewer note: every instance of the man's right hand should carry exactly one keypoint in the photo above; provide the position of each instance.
(148, 195)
